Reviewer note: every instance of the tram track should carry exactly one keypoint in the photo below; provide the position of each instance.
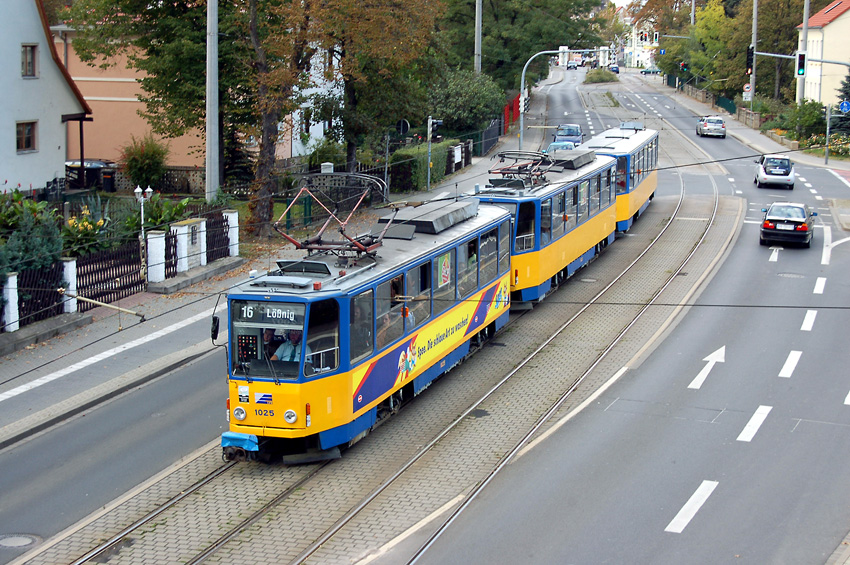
(295, 490)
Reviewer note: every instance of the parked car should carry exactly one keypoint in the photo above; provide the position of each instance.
(774, 169)
(569, 132)
(787, 221)
(711, 125)
(614, 69)
(650, 71)
(572, 65)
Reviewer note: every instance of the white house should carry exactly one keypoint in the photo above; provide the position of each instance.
(37, 100)
(829, 40)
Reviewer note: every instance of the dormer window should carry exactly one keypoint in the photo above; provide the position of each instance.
(28, 59)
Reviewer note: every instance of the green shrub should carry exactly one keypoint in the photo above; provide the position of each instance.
(409, 166)
(144, 161)
(600, 75)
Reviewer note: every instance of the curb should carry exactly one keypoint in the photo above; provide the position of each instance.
(37, 332)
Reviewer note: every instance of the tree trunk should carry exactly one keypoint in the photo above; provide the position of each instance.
(261, 207)
(777, 69)
(350, 134)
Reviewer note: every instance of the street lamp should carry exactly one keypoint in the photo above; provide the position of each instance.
(143, 197)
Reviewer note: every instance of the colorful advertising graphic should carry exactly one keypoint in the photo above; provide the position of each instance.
(431, 343)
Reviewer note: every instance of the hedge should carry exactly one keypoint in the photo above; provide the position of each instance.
(409, 166)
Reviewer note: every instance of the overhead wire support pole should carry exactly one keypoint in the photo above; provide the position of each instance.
(522, 91)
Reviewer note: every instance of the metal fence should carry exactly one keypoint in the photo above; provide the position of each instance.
(110, 275)
(170, 254)
(489, 137)
(38, 297)
(218, 240)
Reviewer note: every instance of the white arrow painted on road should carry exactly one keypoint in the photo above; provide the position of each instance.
(718, 356)
(774, 256)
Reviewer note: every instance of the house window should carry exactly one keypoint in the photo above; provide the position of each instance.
(28, 53)
(26, 136)
(306, 118)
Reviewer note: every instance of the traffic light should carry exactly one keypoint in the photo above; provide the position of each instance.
(655, 37)
(684, 66)
(751, 54)
(801, 63)
(525, 102)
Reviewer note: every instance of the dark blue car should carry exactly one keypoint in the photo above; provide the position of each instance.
(569, 132)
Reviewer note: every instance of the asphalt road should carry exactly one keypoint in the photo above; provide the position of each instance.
(729, 443)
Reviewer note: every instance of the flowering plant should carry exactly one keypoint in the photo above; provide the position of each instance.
(84, 234)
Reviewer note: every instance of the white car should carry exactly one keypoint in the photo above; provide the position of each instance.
(711, 125)
(774, 169)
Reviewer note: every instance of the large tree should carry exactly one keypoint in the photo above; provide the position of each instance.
(259, 71)
(513, 31)
(376, 49)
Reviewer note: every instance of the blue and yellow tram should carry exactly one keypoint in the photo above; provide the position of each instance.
(636, 151)
(321, 348)
(564, 211)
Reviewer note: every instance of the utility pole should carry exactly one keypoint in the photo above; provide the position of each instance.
(477, 60)
(755, 48)
(804, 40)
(211, 186)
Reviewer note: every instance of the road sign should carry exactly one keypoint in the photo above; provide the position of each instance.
(748, 87)
(663, 51)
(748, 97)
(844, 106)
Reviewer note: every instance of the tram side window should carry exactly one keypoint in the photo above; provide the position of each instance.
(489, 257)
(467, 268)
(654, 152)
(323, 337)
(605, 188)
(444, 282)
(594, 194)
(558, 216)
(622, 169)
(360, 339)
(389, 321)
(419, 288)
(572, 208)
(583, 194)
(525, 227)
(505, 246)
(545, 222)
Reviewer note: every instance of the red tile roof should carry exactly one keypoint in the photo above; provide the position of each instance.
(828, 14)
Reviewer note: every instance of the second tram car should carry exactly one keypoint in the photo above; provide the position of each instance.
(322, 348)
(563, 205)
(636, 151)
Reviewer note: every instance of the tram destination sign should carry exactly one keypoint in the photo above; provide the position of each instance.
(268, 313)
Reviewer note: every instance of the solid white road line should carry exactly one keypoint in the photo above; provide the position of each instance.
(819, 285)
(691, 507)
(105, 355)
(808, 321)
(790, 364)
(755, 423)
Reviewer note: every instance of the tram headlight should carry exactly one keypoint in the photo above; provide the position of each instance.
(239, 413)
(290, 416)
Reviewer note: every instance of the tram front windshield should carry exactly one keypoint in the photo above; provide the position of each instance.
(267, 340)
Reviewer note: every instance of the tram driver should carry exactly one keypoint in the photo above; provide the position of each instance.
(290, 350)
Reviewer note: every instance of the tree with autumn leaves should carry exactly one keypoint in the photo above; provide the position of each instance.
(267, 49)
(715, 46)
